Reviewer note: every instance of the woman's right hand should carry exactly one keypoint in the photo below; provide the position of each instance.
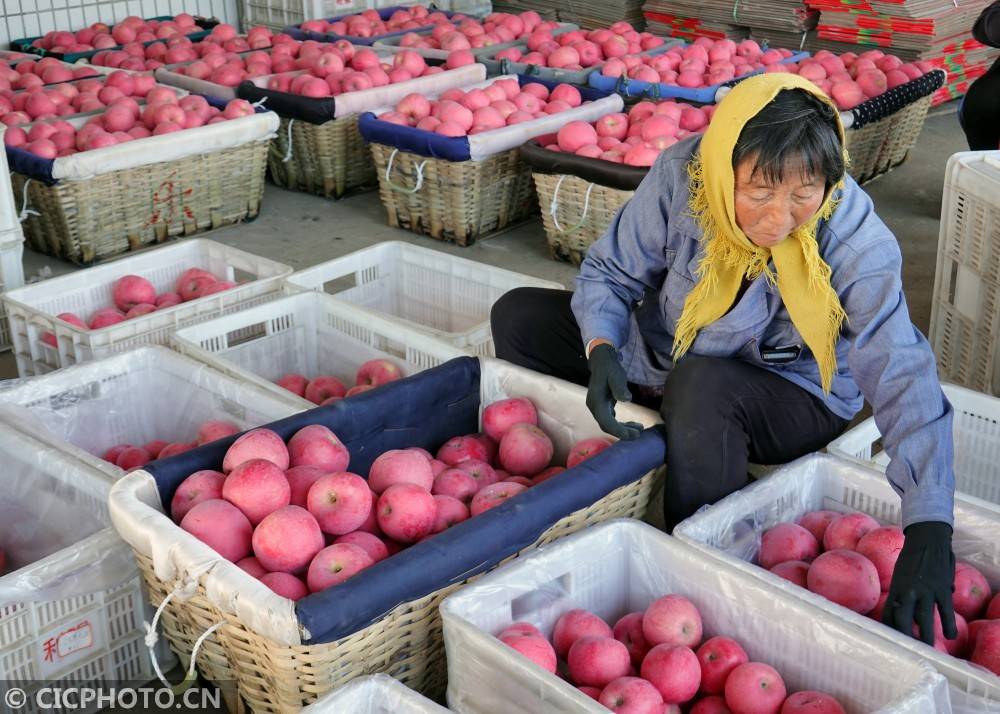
(609, 385)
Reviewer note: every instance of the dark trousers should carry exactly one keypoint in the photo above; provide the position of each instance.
(719, 414)
(980, 113)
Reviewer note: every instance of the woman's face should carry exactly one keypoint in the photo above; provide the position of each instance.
(768, 212)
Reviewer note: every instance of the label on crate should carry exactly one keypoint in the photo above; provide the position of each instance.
(68, 643)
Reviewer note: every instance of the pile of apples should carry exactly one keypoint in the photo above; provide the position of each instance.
(849, 559)
(636, 138)
(129, 457)
(340, 67)
(134, 296)
(458, 112)
(579, 49)
(222, 40)
(132, 29)
(229, 69)
(68, 98)
(850, 79)
(704, 63)
(497, 28)
(653, 661)
(123, 121)
(32, 74)
(370, 24)
(327, 389)
(283, 511)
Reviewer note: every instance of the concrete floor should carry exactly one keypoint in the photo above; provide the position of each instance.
(302, 230)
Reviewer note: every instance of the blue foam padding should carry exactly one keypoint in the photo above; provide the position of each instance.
(384, 13)
(659, 90)
(426, 410)
(31, 165)
(450, 148)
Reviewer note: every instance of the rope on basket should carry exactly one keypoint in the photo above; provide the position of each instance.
(554, 208)
(288, 153)
(403, 189)
(25, 211)
(186, 590)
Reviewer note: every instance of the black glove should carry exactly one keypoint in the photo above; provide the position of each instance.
(924, 577)
(607, 386)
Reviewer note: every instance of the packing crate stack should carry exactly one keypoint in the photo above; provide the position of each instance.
(935, 31)
(779, 24)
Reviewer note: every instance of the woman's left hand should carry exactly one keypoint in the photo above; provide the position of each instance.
(922, 580)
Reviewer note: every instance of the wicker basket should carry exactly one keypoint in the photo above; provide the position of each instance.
(325, 159)
(85, 221)
(407, 643)
(881, 146)
(455, 201)
(575, 213)
(259, 644)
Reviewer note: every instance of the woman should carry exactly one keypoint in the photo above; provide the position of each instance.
(980, 112)
(750, 283)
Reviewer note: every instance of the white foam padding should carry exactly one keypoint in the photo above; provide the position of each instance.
(179, 557)
(621, 566)
(167, 147)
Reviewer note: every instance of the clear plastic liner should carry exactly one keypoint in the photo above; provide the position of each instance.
(377, 694)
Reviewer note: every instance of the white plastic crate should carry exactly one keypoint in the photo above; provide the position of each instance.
(965, 312)
(376, 694)
(976, 430)
(71, 606)
(279, 14)
(32, 309)
(144, 395)
(310, 334)
(434, 292)
(622, 566)
(730, 532)
(11, 244)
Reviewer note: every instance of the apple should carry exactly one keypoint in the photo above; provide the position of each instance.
(631, 695)
(340, 502)
(674, 620)
(718, 657)
(596, 661)
(755, 688)
(784, 542)
(847, 578)
(575, 624)
(882, 546)
(287, 540)
(674, 671)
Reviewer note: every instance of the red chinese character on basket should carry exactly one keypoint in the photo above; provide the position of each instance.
(49, 648)
(165, 200)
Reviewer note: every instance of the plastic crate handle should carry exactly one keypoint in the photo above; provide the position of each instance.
(554, 208)
(397, 187)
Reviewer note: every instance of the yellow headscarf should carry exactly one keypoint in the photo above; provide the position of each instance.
(803, 277)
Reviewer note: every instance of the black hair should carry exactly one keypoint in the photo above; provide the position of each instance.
(794, 127)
